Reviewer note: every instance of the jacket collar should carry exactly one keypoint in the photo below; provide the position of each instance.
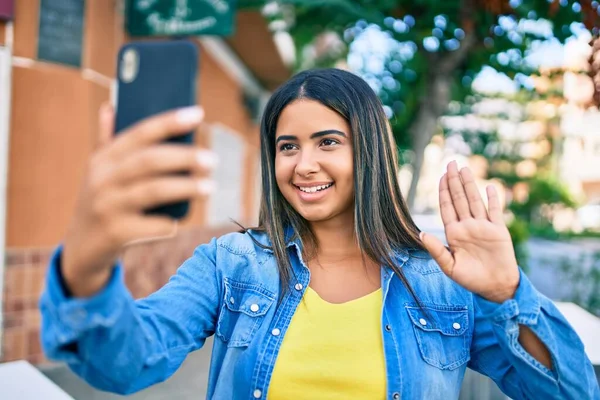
(265, 243)
(402, 255)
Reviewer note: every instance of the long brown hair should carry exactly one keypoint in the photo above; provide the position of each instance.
(382, 222)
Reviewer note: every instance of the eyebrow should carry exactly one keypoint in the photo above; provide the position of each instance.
(313, 136)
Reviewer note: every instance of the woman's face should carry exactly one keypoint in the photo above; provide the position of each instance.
(314, 161)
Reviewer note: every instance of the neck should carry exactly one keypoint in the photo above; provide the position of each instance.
(336, 239)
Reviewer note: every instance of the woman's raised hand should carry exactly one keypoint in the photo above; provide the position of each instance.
(481, 256)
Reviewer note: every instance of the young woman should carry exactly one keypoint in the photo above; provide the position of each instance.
(336, 295)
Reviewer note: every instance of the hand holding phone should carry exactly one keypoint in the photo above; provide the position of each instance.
(128, 174)
(141, 179)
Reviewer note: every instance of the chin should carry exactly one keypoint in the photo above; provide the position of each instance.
(312, 216)
(317, 215)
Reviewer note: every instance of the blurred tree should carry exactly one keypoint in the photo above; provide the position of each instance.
(432, 49)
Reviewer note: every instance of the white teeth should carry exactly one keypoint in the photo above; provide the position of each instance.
(314, 189)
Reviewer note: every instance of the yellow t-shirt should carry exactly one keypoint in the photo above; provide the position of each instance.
(332, 351)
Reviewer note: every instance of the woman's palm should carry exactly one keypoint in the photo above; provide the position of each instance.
(480, 255)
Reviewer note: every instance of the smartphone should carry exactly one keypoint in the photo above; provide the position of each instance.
(154, 77)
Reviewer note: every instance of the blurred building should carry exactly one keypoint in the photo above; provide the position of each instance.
(580, 121)
(571, 118)
(50, 92)
(558, 131)
(580, 155)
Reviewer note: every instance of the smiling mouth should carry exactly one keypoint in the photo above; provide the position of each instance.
(314, 189)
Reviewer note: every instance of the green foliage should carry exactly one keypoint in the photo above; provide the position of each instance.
(480, 142)
(542, 191)
(519, 232)
(547, 231)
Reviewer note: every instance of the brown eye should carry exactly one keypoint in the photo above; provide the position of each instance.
(329, 142)
(287, 147)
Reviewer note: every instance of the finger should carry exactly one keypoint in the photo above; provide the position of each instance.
(446, 207)
(106, 122)
(439, 252)
(457, 192)
(156, 129)
(473, 196)
(494, 208)
(162, 159)
(166, 190)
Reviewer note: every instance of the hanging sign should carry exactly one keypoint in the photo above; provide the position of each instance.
(180, 17)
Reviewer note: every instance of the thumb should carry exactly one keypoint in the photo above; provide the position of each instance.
(106, 121)
(439, 252)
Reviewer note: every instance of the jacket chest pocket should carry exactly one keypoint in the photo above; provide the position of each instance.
(442, 333)
(244, 309)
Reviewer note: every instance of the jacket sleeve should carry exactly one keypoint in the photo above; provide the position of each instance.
(121, 345)
(497, 353)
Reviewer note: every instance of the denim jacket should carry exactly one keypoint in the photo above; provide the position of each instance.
(230, 288)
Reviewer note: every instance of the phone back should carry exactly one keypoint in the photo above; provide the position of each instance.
(154, 77)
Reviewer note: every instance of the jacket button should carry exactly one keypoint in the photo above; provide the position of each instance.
(257, 393)
(456, 325)
(298, 286)
(275, 332)
(388, 328)
(396, 396)
(423, 322)
(79, 315)
(254, 307)
(231, 300)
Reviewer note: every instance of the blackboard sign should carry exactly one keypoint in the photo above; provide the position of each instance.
(61, 31)
(180, 17)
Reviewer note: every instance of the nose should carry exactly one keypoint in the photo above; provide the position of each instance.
(307, 164)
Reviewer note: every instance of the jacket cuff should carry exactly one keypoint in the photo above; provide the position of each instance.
(524, 306)
(66, 318)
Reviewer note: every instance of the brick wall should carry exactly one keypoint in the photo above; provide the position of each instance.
(147, 268)
(23, 283)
